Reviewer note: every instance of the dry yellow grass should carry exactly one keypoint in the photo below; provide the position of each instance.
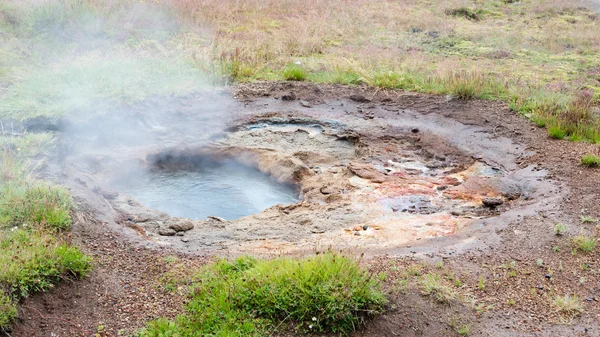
(538, 55)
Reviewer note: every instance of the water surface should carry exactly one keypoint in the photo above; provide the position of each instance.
(227, 190)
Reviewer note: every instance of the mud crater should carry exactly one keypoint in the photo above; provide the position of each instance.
(354, 186)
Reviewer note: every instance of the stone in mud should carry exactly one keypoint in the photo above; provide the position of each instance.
(359, 98)
(216, 218)
(167, 232)
(181, 226)
(106, 194)
(367, 171)
(329, 190)
(306, 104)
(289, 97)
(492, 202)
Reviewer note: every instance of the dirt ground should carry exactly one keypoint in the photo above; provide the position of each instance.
(376, 129)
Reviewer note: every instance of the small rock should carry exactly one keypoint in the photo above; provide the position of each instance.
(167, 232)
(182, 226)
(365, 227)
(359, 98)
(289, 97)
(548, 276)
(305, 104)
(219, 219)
(185, 240)
(317, 230)
(180, 233)
(492, 202)
(415, 130)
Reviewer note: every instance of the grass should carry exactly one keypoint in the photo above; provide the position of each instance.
(560, 229)
(294, 73)
(584, 243)
(432, 285)
(64, 57)
(568, 305)
(248, 297)
(34, 202)
(8, 311)
(37, 268)
(33, 215)
(590, 160)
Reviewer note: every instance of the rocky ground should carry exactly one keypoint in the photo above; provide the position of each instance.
(422, 185)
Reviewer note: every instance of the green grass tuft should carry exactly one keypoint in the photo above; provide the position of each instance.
(557, 132)
(247, 297)
(295, 72)
(584, 243)
(590, 160)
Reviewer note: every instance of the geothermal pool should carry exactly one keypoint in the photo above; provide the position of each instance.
(226, 190)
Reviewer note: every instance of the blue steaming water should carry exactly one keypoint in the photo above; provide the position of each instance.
(227, 191)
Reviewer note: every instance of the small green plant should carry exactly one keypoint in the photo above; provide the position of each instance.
(588, 219)
(511, 302)
(439, 264)
(402, 285)
(481, 283)
(8, 311)
(590, 160)
(431, 284)
(556, 132)
(584, 243)
(170, 259)
(560, 229)
(539, 262)
(568, 305)
(512, 273)
(294, 72)
(247, 297)
(414, 270)
(467, 13)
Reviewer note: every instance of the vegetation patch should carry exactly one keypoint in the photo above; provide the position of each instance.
(591, 160)
(467, 13)
(31, 261)
(568, 305)
(248, 297)
(295, 73)
(33, 256)
(584, 243)
(34, 202)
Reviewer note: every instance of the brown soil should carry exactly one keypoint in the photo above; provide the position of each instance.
(125, 289)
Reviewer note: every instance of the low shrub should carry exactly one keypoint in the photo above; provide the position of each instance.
(247, 297)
